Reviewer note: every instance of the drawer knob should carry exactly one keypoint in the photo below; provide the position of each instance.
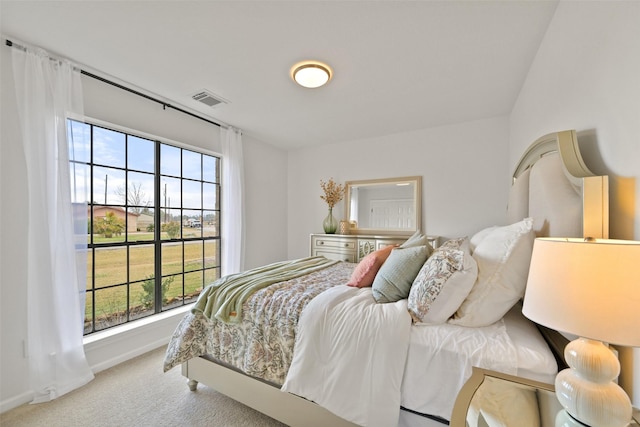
(321, 242)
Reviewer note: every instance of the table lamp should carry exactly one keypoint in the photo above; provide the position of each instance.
(589, 288)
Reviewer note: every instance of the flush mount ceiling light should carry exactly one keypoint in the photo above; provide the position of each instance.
(311, 74)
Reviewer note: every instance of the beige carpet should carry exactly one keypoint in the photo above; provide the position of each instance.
(138, 393)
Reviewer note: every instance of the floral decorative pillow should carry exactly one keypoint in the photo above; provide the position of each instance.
(368, 267)
(443, 282)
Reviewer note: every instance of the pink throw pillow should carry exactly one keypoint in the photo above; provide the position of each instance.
(368, 267)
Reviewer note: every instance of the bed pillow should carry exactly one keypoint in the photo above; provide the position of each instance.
(417, 239)
(479, 237)
(443, 282)
(503, 258)
(368, 267)
(394, 279)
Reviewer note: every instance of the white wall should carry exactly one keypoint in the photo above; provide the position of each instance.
(586, 76)
(265, 179)
(465, 177)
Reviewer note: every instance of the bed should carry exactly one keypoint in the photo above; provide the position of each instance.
(307, 350)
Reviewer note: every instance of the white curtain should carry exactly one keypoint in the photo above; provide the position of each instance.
(233, 225)
(48, 91)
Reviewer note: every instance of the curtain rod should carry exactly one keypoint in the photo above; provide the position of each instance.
(128, 89)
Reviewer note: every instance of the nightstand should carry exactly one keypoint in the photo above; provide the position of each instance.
(510, 400)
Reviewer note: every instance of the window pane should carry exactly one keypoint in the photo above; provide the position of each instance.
(79, 177)
(108, 186)
(211, 275)
(171, 258)
(191, 194)
(88, 313)
(192, 285)
(191, 223)
(89, 269)
(191, 165)
(111, 266)
(210, 196)
(193, 256)
(171, 227)
(79, 137)
(108, 224)
(142, 299)
(111, 307)
(211, 224)
(108, 147)
(145, 227)
(169, 160)
(141, 154)
(141, 262)
(211, 253)
(170, 192)
(171, 291)
(210, 168)
(140, 190)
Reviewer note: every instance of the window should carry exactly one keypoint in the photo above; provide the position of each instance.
(153, 230)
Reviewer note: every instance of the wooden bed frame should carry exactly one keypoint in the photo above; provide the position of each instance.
(295, 411)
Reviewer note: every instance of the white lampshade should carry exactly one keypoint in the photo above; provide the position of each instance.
(590, 288)
(311, 74)
(587, 288)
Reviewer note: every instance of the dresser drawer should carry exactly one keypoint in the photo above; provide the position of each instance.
(345, 244)
(334, 247)
(337, 255)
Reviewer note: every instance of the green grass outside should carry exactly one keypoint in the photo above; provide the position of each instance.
(111, 269)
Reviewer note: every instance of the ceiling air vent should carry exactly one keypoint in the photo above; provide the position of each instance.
(209, 99)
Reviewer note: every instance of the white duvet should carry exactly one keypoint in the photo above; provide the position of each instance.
(350, 355)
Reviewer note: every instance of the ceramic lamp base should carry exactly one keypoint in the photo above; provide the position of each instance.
(587, 391)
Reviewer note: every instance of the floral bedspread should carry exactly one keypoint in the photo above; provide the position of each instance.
(262, 344)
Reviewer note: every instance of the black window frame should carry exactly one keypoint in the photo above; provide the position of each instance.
(211, 240)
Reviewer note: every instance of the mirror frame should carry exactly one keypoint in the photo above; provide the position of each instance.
(417, 196)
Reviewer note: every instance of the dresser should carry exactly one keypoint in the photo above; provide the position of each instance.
(352, 248)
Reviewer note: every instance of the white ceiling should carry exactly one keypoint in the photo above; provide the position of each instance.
(399, 65)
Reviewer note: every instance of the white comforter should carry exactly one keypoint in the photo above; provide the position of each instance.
(350, 354)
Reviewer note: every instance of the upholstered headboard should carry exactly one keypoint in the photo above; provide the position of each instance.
(552, 185)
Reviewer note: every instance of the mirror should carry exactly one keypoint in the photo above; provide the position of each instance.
(388, 206)
(494, 398)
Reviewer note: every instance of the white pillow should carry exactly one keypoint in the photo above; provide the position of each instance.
(479, 237)
(442, 284)
(503, 258)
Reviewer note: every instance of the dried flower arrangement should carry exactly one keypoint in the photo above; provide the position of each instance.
(333, 192)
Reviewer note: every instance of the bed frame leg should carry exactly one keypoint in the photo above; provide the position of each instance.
(193, 385)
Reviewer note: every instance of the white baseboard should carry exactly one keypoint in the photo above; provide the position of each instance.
(117, 345)
(15, 401)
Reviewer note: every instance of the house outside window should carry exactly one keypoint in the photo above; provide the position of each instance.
(153, 234)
